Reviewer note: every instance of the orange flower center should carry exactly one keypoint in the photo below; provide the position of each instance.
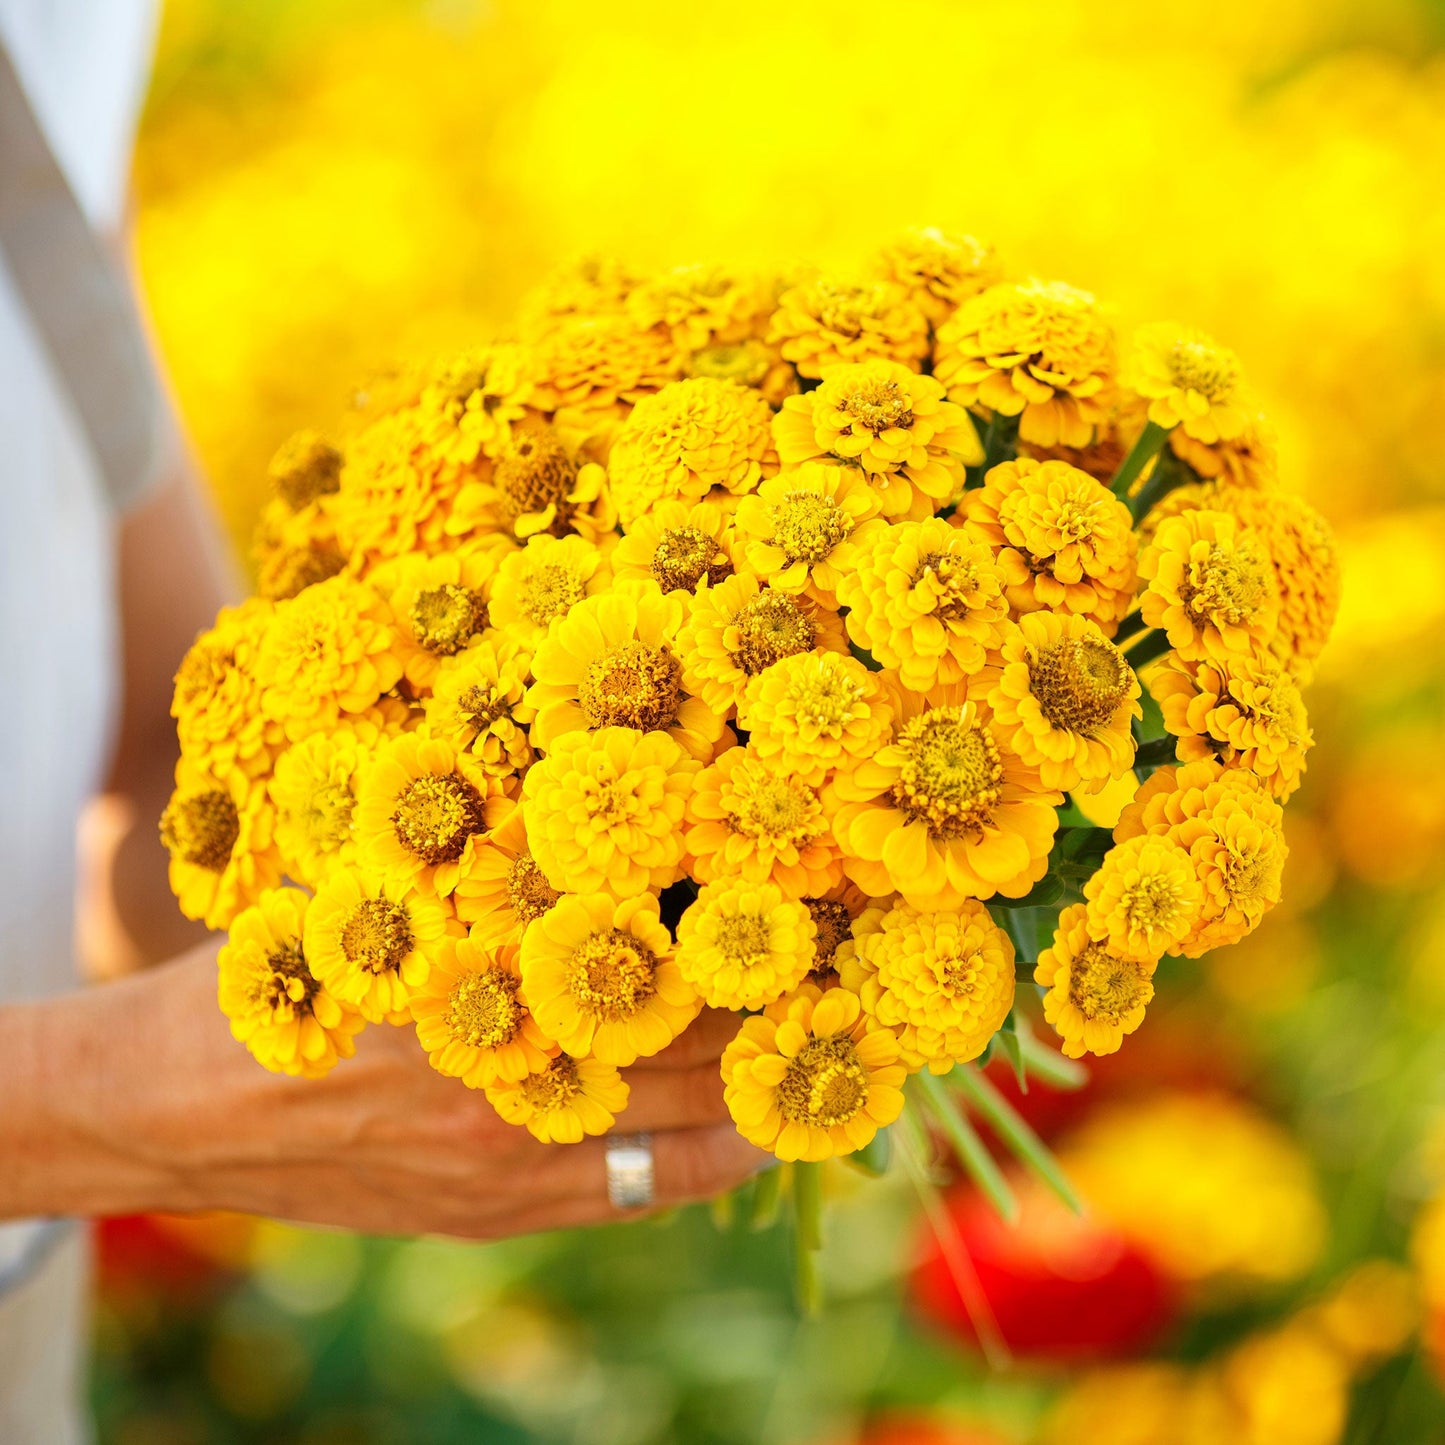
(377, 935)
(684, 556)
(878, 405)
(611, 974)
(528, 890)
(835, 926)
(444, 619)
(826, 1083)
(1228, 585)
(201, 829)
(950, 773)
(806, 526)
(1080, 683)
(1107, 988)
(633, 686)
(435, 816)
(949, 581)
(482, 1009)
(555, 1087)
(537, 473)
(770, 627)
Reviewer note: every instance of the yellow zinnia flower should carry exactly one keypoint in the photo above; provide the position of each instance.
(372, 946)
(612, 662)
(942, 981)
(1094, 997)
(439, 606)
(541, 583)
(304, 467)
(797, 524)
(564, 1102)
(470, 1017)
(217, 829)
(742, 945)
(892, 424)
(471, 401)
(702, 306)
(925, 598)
(813, 1077)
(829, 320)
(691, 436)
(421, 808)
(677, 545)
(1144, 899)
(1233, 832)
(1247, 712)
(1065, 541)
(1062, 698)
(592, 363)
(277, 1006)
(943, 812)
(604, 809)
(1250, 459)
(504, 888)
(740, 627)
(814, 713)
(292, 551)
(1039, 351)
(833, 916)
(581, 285)
(217, 698)
(600, 978)
(328, 653)
(1211, 586)
(478, 704)
(749, 821)
(1190, 381)
(938, 270)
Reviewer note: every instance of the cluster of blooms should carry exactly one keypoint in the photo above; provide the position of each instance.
(752, 643)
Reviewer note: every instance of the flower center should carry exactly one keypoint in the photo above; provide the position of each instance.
(835, 926)
(684, 556)
(826, 1083)
(1227, 586)
(611, 974)
(1079, 683)
(482, 706)
(770, 627)
(1246, 873)
(778, 809)
(844, 308)
(827, 697)
(878, 406)
(549, 591)
(743, 938)
(201, 829)
(1102, 986)
(1199, 366)
(957, 974)
(949, 582)
(806, 527)
(1152, 902)
(950, 774)
(326, 820)
(305, 468)
(745, 363)
(377, 935)
(286, 986)
(203, 671)
(293, 570)
(435, 816)
(554, 1087)
(536, 474)
(528, 890)
(632, 686)
(444, 619)
(482, 1010)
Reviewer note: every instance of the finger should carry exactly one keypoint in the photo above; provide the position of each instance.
(673, 1099)
(702, 1042)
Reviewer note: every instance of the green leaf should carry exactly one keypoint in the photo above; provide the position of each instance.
(970, 1150)
(875, 1156)
(765, 1197)
(1014, 1131)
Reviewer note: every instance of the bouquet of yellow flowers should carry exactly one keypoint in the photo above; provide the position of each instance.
(775, 645)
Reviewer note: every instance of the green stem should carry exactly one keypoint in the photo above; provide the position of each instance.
(1049, 1066)
(1151, 645)
(767, 1195)
(1015, 1132)
(972, 1153)
(1169, 472)
(1156, 753)
(1140, 455)
(1133, 623)
(808, 1237)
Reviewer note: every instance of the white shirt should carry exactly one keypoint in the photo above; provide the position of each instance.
(83, 64)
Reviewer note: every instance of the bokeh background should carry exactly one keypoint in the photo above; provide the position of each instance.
(326, 187)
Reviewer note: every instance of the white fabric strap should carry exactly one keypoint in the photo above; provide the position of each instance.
(78, 301)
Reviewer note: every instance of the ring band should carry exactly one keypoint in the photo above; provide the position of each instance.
(629, 1171)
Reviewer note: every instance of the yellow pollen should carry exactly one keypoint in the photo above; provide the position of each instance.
(555, 1087)
(1104, 987)
(377, 935)
(1245, 873)
(743, 938)
(535, 474)
(826, 1083)
(528, 890)
(611, 974)
(482, 706)
(1079, 683)
(842, 308)
(950, 581)
(879, 406)
(770, 627)
(549, 590)
(835, 926)
(632, 686)
(293, 569)
(957, 975)
(684, 556)
(779, 809)
(950, 775)
(326, 819)
(203, 670)
(827, 698)
(287, 986)
(482, 1011)
(435, 816)
(1200, 366)
(1228, 586)
(201, 829)
(806, 527)
(444, 619)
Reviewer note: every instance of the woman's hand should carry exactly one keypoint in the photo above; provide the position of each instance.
(134, 1096)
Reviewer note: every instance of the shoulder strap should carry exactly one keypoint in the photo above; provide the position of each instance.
(80, 304)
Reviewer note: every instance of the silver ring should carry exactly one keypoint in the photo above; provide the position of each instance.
(629, 1171)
